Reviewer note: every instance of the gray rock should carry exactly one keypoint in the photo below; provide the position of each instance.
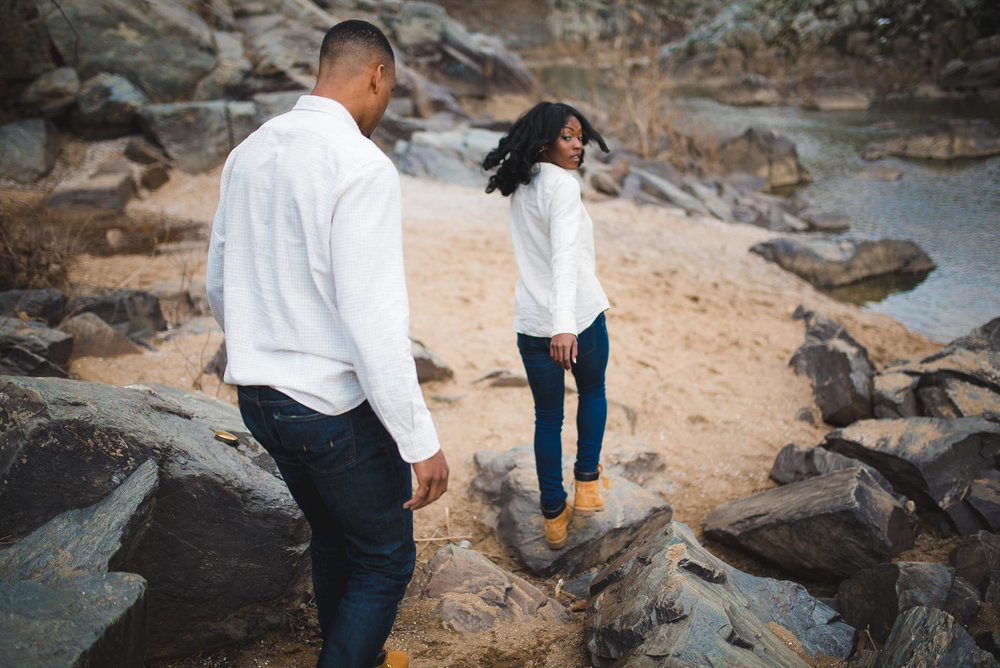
(751, 90)
(107, 107)
(97, 539)
(766, 154)
(872, 599)
(50, 344)
(925, 636)
(135, 313)
(954, 139)
(17, 361)
(668, 601)
(226, 80)
(430, 365)
(894, 395)
(269, 105)
(87, 620)
(931, 461)
(454, 157)
(984, 497)
(950, 397)
(662, 189)
(220, 360)
(977, 560)
(829, 526)
(226, 551)
(92, 337)
(795, 464)
(282, 46)
(709, 196)
(823, 221)
(48, 305)
(836, 99)
(475, 595)
(100, 191)
(51, 94)
(164, 48)
(592, 540)
(829, 264)
(983, 73)
(197, 136)
(29, 149)
(140, 151)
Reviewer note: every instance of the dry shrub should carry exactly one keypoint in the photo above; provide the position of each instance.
(34, 251)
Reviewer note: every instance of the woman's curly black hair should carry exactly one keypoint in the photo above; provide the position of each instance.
(516, 154)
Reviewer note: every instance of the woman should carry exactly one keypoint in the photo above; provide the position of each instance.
(558, 302)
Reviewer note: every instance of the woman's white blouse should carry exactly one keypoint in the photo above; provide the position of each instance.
(553, 237)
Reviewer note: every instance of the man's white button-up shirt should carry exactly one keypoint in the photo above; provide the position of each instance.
(305, 272)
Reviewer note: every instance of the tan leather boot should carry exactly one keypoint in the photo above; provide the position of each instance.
(557, 529)
(395, 659)
(588, 499)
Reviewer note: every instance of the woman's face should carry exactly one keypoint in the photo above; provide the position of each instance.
(567, 150)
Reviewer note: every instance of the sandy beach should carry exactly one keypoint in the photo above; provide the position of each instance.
(701, 335)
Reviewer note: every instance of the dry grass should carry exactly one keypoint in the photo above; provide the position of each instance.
(34, 249)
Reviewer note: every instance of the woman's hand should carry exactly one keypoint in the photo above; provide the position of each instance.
(562, 349)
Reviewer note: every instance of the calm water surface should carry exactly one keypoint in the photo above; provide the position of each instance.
(952, 210)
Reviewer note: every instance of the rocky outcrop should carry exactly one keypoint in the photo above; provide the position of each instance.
(225, 550)
(977, 560)
(475, 595)
(668, 601)
(454, 156)
(198, 136)
(830, 526)
(873, 598)
(764, 153)
(30, 148)
(953, 140)
(929, 460)
(838, 368)
(830, 264)
(135, 313)
(925, 636)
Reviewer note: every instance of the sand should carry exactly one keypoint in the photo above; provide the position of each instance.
(701, 335)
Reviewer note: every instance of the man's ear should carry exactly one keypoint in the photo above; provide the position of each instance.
(377, 74)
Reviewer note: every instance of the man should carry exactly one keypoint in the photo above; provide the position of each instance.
(305, 276)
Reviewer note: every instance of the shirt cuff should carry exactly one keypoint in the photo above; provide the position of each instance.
(418, 445)
(563, 322)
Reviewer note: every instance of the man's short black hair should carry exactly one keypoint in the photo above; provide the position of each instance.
(355, 40)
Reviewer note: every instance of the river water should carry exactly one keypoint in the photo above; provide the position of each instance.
(951, 209)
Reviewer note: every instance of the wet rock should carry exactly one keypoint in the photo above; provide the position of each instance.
(839, 99)
(668, 601)
(51, 94)
(925, 636)
(977, 559)
(87, 620)
(30, 148)
(100, 191)
(766, 154)
(475, 595)
(176, 45)
(198, 136)
(36, 338)
(47, 305)
(592, 540)
(829, 264)
(838, 368)
(828, 526)
(226, 548)
(931, 461)
(107, 107)
(954, 139)
(430, 365)
(92, 337)
(872, 599)
(97, 539)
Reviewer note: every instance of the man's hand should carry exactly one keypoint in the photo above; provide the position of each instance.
(432, 481)
(562, 349)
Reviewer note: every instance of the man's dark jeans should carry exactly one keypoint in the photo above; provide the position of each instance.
(547, 381)
(346, 474)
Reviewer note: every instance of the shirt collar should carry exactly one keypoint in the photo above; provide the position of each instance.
(326, 106)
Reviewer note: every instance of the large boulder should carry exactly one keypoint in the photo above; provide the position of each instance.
(830, 526)
(764, 153)
(872, 599)
(107, 107)
(87, 620)
(977, 560)
(164, 47)
(955, 139)
(50, 344)
(454, 156)
(29, 149)
(838, 368)
(474, 594)
(197, 136)
(929, 460)
(668, 601)
(829, 264)
(92, 337)
(47, 305)
(51, 94)
(226, 550)
(794, 464)
(924, 636)
(592, 540)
